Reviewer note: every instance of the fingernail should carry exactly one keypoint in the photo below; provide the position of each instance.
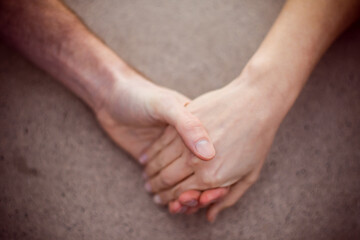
(157, 199)
(192, 203)
(143, 159)
(205, 149)
(183, 209)
(147, 187)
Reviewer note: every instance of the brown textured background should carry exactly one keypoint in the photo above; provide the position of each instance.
(62, 178)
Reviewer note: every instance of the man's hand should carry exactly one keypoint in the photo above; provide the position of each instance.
(132, 110)
(135, 115)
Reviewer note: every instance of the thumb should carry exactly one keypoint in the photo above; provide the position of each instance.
(190, 128)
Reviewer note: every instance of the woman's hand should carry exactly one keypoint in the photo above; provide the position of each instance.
(242, 119)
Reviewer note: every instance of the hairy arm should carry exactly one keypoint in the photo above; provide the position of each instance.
(51, 36)
(55, 39)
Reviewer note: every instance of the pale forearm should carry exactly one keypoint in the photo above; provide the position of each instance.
(295, 43)
(52, 37)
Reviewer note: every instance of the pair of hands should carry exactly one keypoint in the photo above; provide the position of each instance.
(239, 121)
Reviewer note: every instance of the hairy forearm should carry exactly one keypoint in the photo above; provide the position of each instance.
(299, 37)
(54, 38)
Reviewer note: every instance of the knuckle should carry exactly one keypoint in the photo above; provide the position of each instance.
(192, 161)
(209, 179)
(191, 123)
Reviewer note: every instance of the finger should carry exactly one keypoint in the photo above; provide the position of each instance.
(183, 209)
(233, 196)
(191, 131)
(170, 175)
(188, 184)
(237, 190)
(174, 207)
(190, 198)
(191, 210)
(167, 137)
(166, 156)
(212, 195)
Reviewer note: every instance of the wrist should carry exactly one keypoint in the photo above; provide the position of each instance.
(127, 91)
(271, 83)
(111, 76)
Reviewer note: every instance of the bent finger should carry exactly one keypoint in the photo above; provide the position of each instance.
(189, 183)
(190, 198)
(166, 156)
(170, 175)
(166, 138)
(212, 195)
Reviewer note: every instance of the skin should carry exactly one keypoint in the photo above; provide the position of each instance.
(132, 110)
(242, 118)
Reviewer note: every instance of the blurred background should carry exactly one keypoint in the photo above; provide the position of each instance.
(62, 178)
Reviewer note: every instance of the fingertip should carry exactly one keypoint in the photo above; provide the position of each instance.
(157, 200)
(190, 198)
(143, 159)
(191, 210)
(194, 135)
(174, 207)
(147, 187)
(211, 215)
(205, 149)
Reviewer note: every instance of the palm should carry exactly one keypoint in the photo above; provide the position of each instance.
(135, 115)
(128, 115)
(133, 139)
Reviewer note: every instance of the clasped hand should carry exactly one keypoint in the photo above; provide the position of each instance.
(175, 143)
(241, 126)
